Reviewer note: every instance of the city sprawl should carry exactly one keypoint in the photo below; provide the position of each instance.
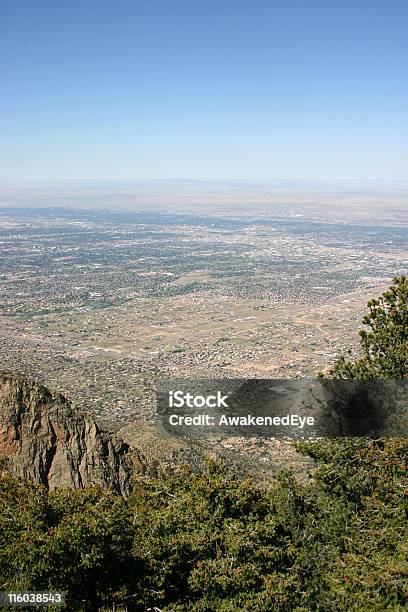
(99, 304)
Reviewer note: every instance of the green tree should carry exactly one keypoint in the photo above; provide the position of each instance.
(356, 538)
(214, 542)
(80, 542)
(207, 541)
(384, 341)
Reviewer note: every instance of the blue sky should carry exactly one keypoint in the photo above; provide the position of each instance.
(249, 90)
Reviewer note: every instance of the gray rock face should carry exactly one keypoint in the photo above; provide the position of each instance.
(45, 440)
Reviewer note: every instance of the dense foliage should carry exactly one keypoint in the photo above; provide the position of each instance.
(209, 541)
(384, 341)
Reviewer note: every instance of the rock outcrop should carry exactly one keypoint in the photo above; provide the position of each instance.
(45, 440)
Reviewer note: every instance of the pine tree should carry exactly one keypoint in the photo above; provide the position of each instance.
(384, 345)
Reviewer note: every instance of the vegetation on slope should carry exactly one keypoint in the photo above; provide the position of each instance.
(209, 541)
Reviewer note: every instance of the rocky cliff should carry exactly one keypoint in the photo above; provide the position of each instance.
(45, 440)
